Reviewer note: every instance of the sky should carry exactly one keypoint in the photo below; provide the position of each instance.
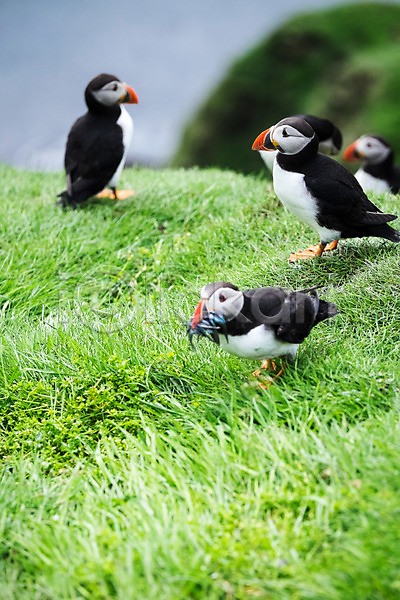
(172, 53)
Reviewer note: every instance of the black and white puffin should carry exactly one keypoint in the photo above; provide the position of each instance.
(329, 138)
(320, 191)
(99, 141)
(258, 324)
(378, 172)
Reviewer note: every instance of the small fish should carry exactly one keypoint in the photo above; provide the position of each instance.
(209, 327)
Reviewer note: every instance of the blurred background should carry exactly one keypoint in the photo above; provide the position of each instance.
(210, 75)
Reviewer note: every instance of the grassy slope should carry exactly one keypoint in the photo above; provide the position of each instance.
(339, 63)
(135, 468)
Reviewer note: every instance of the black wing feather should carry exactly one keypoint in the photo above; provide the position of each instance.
(342, 202)
(291, 314)
(93, 153)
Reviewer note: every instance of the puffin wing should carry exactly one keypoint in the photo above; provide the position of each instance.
(340, 198)
(298, 317)
(292, 315)
(93, 153)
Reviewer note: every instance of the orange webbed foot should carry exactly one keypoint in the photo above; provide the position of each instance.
(117, 195)
(268, 365)
(106, 194)
(123, 194)
(312, 251)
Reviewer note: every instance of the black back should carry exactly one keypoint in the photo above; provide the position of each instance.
(325, 129)
(94, 151)
(291, 315)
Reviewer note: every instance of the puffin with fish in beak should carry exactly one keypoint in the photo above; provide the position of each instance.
(258, 324)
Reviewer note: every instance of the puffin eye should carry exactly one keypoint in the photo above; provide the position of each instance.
(114, 87)
(222, 298)
(369, 145)
(285, 133)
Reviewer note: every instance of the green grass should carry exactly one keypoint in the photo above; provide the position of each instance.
(135, 468)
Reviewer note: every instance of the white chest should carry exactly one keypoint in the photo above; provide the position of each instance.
(291, 190)
(268, 158)
(370, 183)
(126, 124)
(259, 343)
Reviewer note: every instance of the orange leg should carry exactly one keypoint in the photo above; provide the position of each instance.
(312, 251)
(267, 365)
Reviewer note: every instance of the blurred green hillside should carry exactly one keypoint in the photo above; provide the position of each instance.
(342, 64)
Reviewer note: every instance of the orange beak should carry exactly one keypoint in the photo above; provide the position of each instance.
(199, 313)
(351, 154)
(131, 96)
(263, 141)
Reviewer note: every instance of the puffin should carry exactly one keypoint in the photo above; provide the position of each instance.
(378, 172)
(319, 191)
(98, 142)
(258, 324)
(329, 138)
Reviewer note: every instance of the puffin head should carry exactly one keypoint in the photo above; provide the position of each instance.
(289, 136)
(332, 145)
(329, 136)
(108, 91)
(218, 298)
(373, 149)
